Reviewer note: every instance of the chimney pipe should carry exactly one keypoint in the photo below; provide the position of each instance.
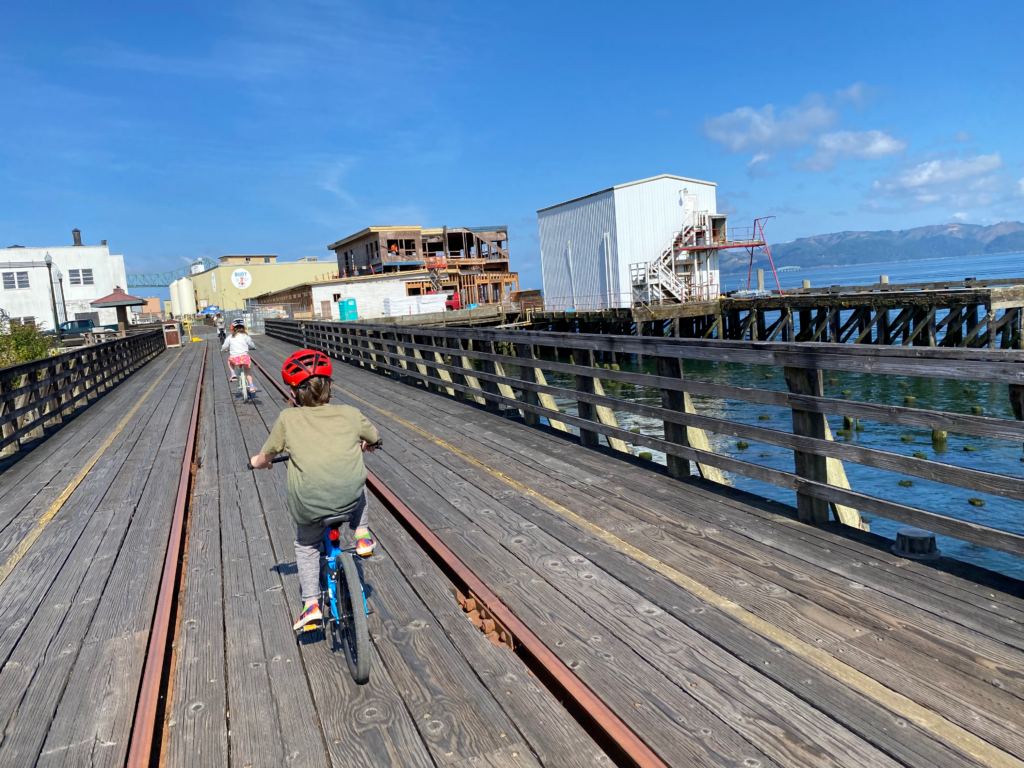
(103, 242)
(77, 234)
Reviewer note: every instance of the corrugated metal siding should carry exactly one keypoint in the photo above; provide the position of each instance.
(578, 230)
(646, 216)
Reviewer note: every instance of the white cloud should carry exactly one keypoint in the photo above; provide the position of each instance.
(1020, 185)
(860, 145)
(962, 137)
(936, 172)
(961, 216)
(857, 94)
(747, 129)
(955, 183)
(764, 133)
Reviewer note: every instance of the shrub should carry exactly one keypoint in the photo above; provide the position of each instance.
(23, 344)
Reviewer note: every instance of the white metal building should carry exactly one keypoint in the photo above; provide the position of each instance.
(588, 244)
(87, 273)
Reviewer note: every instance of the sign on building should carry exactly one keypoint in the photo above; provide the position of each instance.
(241, 279)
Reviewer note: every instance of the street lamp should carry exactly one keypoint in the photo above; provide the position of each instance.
(53, 299)
(63, 304)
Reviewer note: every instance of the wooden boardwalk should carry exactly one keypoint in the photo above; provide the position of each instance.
(76, 606)
(716, 626)
(243, 693)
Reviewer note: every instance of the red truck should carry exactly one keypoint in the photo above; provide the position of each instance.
(453, 301)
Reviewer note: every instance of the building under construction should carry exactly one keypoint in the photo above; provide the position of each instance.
(470, 261)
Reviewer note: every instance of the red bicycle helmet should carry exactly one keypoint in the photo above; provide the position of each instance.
(303, 364)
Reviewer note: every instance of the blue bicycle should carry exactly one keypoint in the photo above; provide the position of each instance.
(342, 598)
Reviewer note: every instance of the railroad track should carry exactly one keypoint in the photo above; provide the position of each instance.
(485, 609)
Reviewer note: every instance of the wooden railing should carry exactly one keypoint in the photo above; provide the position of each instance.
(442, 358)
(39, 394)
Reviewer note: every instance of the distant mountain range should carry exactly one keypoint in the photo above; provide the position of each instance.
(932, 242)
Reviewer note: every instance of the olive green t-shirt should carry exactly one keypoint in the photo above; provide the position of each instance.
(326, 474)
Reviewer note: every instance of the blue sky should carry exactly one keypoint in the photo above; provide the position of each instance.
(204, 129)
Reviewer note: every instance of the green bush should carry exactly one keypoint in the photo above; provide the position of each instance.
(23, 344)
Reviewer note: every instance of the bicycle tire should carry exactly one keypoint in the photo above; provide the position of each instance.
(242, 383)
(355, 634)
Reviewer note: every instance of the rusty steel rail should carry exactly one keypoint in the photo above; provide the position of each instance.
(617, 738)
(140, 750)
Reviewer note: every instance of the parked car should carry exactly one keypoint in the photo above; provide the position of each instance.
(81, 327)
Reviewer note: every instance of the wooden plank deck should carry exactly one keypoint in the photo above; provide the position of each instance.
(76, 606)
(244, 693)
(714, 624)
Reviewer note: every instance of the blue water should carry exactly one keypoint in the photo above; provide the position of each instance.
(991, 455)
(931, 270)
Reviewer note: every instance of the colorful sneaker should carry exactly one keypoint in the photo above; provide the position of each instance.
(252, 389)
(311, 615)
(233, 377)
(365, 545)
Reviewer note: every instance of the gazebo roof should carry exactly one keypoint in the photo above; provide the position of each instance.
(118, 299)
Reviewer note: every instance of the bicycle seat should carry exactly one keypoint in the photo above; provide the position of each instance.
(335, 520)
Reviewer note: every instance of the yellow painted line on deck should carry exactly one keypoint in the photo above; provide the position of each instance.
(905, 707)
(25, 544)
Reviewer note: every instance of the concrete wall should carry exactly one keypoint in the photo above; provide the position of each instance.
(215, 287)
(107, 270)
(578, 254)
(369, 293)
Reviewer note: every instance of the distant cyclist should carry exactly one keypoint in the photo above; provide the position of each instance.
(237, 345)
(326, 475)
(220, 328)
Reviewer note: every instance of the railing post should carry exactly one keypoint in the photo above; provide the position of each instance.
(599, 413)
(488, 386)
(441, 373)
(671, 367)
(465, 379)
(694, 437)
(585, 357)
(806, 381)
(1017, 401)
(542, 399)
(497, 369)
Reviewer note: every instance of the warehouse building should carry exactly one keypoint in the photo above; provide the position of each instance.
(81, 274)
(632, 243)
(239, 279)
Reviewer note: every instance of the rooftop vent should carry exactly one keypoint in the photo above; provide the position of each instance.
(77, 234)
(915, 544)
(103, 242)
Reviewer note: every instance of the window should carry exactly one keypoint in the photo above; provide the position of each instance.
(15, 280)
(266, 259)
(247, 259)
(86, 277)
(16, 321)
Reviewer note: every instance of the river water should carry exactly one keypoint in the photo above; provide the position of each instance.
(989, 455)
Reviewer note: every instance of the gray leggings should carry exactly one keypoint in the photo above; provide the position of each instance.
(309, 540)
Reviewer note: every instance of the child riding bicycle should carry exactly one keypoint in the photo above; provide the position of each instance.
(237, 345)
(326, 475)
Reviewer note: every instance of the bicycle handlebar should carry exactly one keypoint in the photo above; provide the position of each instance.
(379, 445)
(276, 460)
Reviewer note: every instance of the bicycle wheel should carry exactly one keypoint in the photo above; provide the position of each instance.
(242, 383)
(355, 635)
